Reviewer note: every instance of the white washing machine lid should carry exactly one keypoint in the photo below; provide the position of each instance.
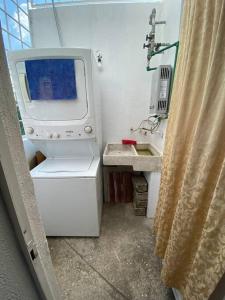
(66, 167)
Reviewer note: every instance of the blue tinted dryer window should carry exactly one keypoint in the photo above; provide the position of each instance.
(51, 79)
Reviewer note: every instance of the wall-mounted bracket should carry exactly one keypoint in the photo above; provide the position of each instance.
(151, 69)
(153, 53)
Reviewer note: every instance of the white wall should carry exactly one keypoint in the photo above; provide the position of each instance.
(153, 179)
(118, 30)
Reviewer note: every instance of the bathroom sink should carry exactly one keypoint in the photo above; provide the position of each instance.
(144, 150)
(118, 154)
(142, 157)
(148, 158)
(120, 149)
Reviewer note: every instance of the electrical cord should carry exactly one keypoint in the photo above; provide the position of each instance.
(154, 124)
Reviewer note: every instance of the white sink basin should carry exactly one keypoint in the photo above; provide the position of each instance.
(118, 154)
(142, 157)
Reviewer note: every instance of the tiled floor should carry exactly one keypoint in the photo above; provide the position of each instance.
(118, 265)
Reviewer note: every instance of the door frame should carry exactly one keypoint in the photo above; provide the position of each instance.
(21, 202)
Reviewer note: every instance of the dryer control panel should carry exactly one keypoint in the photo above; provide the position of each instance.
(60, 133)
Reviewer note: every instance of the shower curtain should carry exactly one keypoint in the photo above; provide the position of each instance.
(190, 216)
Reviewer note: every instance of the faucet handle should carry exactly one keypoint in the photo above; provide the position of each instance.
(157, 46)
(146, 46)
(150, 36)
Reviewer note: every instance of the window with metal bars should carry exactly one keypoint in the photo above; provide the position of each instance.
(15, 24)
(15, 29)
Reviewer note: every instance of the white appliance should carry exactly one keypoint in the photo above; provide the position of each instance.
(59, 106)
(159, 104)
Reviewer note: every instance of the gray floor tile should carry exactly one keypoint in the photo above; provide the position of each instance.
(78, 280)
(119, 265)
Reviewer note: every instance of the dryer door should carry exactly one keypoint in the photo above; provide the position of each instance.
(53, 89)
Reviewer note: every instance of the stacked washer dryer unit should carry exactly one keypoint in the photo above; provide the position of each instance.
(59, 108)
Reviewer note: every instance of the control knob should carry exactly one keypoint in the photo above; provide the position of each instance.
(30, 130)
(49, 135)
(56, 135)
(88, 129)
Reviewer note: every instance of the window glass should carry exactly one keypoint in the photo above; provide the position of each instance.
(23, 5)
(25, 46)
(11, 9)
(23, 19)
(22, 2)
(1, 4)
(25, 36)
(15, 24)
(3, 19)
(15, 28)
(40, 2)
(6, 40)
(15, 44)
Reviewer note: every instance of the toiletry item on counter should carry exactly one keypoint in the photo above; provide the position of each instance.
(129, 142)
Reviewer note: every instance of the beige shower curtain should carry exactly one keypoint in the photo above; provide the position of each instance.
(190, 217)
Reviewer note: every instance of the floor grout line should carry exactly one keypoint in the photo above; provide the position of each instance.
(96, 271)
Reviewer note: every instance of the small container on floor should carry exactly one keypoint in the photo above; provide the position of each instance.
(140, 184)
(140, 196)
(140, 203)
(139, 211)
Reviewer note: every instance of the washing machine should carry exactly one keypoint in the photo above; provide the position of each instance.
(69, 195)
(59, 104)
